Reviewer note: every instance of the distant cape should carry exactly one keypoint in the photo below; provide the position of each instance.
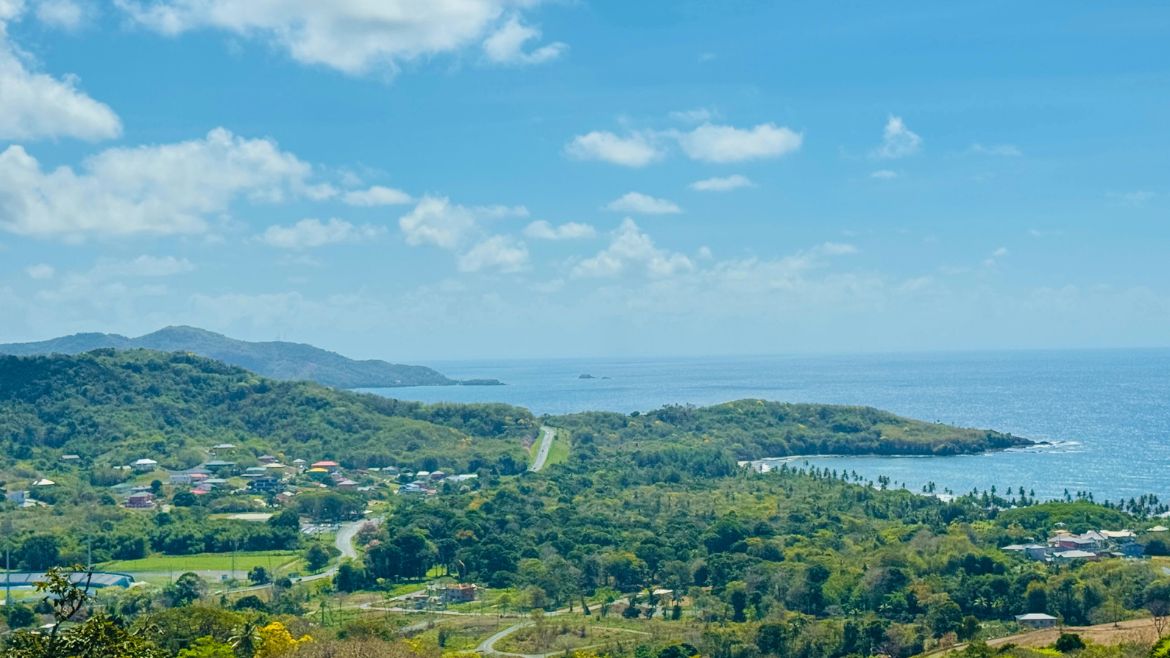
(275, 359)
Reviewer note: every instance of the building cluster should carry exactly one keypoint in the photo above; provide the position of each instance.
(442, 594)
(1065, 547)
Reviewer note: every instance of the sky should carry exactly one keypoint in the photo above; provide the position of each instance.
(415, 180)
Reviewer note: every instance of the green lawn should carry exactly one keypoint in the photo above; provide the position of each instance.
(274, 561)
(559, 450)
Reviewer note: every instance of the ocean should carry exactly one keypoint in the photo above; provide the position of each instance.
(1106, 413)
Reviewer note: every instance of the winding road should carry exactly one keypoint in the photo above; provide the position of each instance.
(547, 434)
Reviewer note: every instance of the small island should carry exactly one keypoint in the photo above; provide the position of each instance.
(480, 382)
(585, 376)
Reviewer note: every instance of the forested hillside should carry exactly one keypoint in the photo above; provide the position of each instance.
(115, 406)
(275, 359)
(754, 429)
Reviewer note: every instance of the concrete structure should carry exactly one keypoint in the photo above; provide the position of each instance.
(144, 465)
(140, 500)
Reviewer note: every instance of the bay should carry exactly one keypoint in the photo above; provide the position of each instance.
(1105, 412)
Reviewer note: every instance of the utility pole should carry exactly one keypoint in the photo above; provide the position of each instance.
(7, 576)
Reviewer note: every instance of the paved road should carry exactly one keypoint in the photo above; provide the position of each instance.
(547, 434)
(489, 645)
(344, 543)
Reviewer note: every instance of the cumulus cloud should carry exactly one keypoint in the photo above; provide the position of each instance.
(38, 106)
(634, 150)
(723, 144)
(642, 204)
(438, 222)
(376, 196)
(159, 189)
(722, 183)
(630, 248)
(310, 233)
(145, 266)
(542, 230)
(506, 45)
(898, 141)
(353, 36)
(884, 174)
(497, 252)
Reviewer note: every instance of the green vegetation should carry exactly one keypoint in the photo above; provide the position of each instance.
(642, 538)
(755, 429)
(113, 407)
(278, 360)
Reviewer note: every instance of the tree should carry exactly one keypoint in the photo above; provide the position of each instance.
(350, 577)
(20, 616)
(206, 647)
(1156, 599)
(258, 576)
(184, 499)
(39, 552)
(276, 641)
(98, 636)
(316, 557)
(187, 589)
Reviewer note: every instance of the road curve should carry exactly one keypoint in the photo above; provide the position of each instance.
(547, 434)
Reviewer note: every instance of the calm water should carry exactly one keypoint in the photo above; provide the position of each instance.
(1108, 412)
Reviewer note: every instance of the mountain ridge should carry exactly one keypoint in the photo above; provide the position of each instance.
(274, 359)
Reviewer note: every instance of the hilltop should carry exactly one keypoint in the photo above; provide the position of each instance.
(274, 359)
(114, 406)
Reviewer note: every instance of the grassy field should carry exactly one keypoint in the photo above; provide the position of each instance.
(559, 450)
(275, 561)
(561, 635)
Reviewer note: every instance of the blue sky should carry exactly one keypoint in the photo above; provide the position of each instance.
(514, 178)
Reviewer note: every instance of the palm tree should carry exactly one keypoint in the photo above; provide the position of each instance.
(246, 639)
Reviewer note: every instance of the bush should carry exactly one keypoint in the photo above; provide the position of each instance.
(1069, 642)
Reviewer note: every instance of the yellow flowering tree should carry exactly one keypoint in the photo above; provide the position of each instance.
(276, 641)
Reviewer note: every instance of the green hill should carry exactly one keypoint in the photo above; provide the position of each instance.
(275, 359)
(755, 429)
(115, 406)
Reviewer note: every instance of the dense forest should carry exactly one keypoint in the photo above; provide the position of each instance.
(754, 429)
(116, 406)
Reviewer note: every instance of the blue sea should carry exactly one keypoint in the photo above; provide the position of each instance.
(1106, 413)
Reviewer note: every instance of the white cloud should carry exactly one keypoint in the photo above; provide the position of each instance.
(310, 233)
(40, 271)
(697, 115)
(63, 14)
(438, 222)
(158, 189)
(630, 248)
(506, 45)
(898, 141)
(995, 257)
(1002, 150)
(635, 150)
(642, 204)
(376, 196)
(884, 174)
(722, 144)
(722, 184)
(37, 105)
(542, 230)
(498, 252)
(1135, 198)
(353, 36)
(145, 266)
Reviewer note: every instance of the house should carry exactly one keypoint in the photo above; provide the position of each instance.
(43, 482)
(284, 497)
(17, 497)
(438, 475)
(267, 459)
(190, 477)
(326, 464)
(1074, 543)
(458, 593)
(463, 477)
(346, 483)
(70, 458)
(1075, 556)
(140, 500)
(255, 472)
(264, 484)
(220, 466)
(221, 448)
(1036, 620)
(144, 465)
